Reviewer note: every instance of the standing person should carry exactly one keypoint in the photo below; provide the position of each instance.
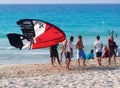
(54, 55)
(98, 45)
(80, 51)
(69, 53)
(112, 47)
(63, 49)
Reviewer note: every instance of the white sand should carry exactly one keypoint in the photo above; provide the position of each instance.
(101, 79)
(44, 76)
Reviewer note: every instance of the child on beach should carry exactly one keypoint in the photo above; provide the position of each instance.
(106, 52)
(69, 53)
(98, 45)
(90, 55)
(54, 55)
(80, 51)
(63, 49)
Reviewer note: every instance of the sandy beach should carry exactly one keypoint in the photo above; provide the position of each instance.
(45, 76)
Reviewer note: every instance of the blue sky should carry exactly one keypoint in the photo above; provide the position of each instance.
(57, 1)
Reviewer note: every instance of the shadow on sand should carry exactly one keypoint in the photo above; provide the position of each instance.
(99, 68)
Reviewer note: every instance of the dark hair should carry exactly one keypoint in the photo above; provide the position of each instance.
(91, 50)
(98, 37)
(71, 38)
(79, 36)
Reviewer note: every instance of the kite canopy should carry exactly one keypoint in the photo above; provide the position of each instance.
(18, 41)
(38, 33)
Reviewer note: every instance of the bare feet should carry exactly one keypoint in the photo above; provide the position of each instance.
(85, 65)
(115, 64)
(68, 69)
(100, 64)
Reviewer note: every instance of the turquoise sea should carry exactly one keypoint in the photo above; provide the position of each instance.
(88, 20)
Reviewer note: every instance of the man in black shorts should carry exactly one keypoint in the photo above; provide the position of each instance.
(69, 53)
(98, 45)
(54, 55)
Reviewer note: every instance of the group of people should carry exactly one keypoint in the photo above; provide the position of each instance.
(108, 52)
(67, 50)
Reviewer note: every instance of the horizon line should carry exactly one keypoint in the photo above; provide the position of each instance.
(59, 3)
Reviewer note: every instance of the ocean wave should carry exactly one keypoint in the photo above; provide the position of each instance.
(4, 57)
(23, 52)
(7, 48)
(35, 53)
